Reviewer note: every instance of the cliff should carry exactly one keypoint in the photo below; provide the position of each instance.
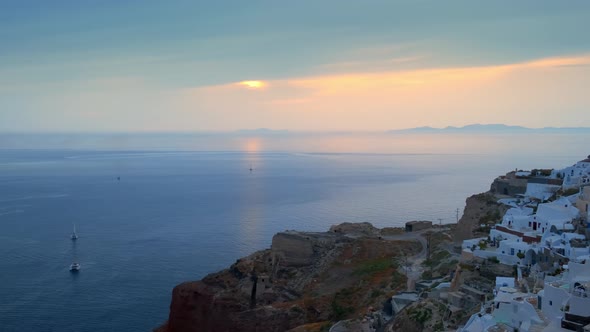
(308, 281)
(304, 281)
(480, 209)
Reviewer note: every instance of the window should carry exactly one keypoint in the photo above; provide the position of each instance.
(512, 251)
(551, 303)
(530, 224)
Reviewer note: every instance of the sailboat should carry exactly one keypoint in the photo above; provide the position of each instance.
(74, 236)
(75, 267)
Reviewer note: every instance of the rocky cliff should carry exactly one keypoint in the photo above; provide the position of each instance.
(480, 209)
(304, 280)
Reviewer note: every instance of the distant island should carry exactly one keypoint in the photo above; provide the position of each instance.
(261, 131)
(491, 128)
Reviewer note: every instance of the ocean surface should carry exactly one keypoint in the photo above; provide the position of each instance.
(178, 215)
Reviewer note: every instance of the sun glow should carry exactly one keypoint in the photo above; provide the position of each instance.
(253, 84)
(252, 145)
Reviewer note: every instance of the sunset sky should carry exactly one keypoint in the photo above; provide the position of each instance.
(103, 66)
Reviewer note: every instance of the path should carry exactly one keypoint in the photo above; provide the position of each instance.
(415, 270)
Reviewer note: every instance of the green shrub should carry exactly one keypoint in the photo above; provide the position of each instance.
(376, 293)
(420, 315)
(339, 309)
(374, 266)
(440, 326)
(340, 312)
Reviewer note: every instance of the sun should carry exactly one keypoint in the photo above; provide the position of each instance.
(253, 84)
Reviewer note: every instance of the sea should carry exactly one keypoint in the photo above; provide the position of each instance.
(152, 213)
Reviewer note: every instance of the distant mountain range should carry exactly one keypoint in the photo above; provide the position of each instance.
(261, 131)
(492, 128)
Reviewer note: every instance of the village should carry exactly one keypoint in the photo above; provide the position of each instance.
(545, 235)
(525, 270)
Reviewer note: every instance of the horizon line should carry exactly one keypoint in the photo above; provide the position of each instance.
(279, 131)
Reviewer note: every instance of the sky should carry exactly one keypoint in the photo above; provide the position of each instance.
(333, 65)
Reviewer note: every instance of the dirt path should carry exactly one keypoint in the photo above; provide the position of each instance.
(414, 269)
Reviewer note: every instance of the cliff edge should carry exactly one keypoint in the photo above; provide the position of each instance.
(304, 281)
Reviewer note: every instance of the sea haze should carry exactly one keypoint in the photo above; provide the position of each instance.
(177, 215)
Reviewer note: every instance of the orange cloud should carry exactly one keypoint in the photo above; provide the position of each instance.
(253, 84)
(419, 78)
(304, 89)
(398, 98)
(560, 62)
(399, 80)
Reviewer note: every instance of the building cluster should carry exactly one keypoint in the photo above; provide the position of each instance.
(544, 235)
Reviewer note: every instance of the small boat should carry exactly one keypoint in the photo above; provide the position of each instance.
(75, 267)
(74, 236)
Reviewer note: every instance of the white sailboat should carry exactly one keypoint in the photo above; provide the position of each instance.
(75, 267)
(74, 236)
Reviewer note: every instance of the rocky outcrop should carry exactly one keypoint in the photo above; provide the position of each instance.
(236, 299)
(294, 249)
(479, 209)
(356, 229)
(208, 313)
(423, 316)
(303, 278)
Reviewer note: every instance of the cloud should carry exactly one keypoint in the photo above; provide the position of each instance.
(401, 98)
(253, 84)
(582, 60)
(400, 79)
(533, 93)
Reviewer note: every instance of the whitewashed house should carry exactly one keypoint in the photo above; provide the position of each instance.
(518, 219)
(568, 299)
(513, 247)
(541, 191)
(576, 175)
(510, 308)
(558, 214)
(504, 282)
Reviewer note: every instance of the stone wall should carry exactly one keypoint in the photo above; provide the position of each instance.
(292, 249)
(509, 186)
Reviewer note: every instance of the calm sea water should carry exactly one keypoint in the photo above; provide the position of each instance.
(176, 216)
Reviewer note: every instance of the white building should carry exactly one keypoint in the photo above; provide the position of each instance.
(558, 214)
(576, 175)
(568, 298)
(541, 191)
(518, 219)
(504, 282)
(510, 308)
